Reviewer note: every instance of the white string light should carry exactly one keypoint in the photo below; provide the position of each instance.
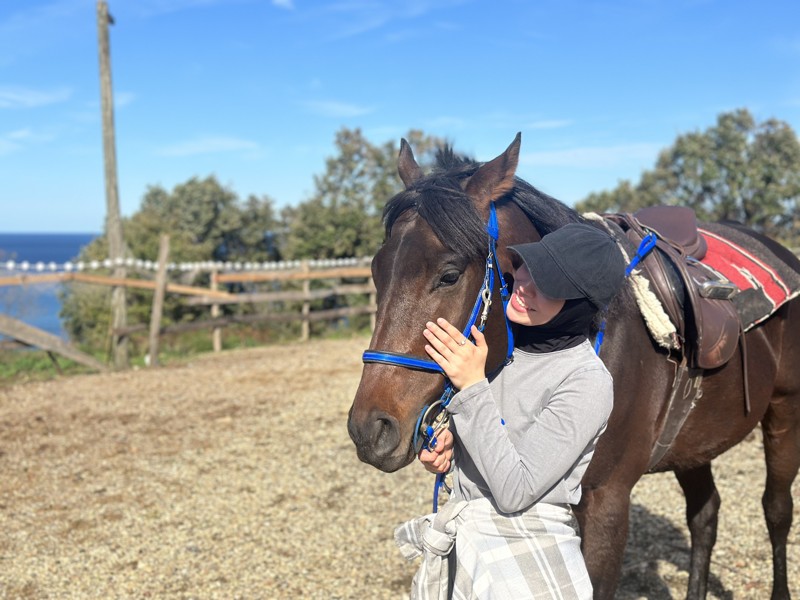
(206, 266)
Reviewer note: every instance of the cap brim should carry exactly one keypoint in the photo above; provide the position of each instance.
(547, 275)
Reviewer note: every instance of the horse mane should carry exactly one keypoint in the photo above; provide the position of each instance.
(439, 198)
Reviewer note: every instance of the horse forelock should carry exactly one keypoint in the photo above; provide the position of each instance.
(440, 200)
(444, 206)
(450, 161)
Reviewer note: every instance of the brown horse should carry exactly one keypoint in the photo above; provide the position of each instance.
(432, 265)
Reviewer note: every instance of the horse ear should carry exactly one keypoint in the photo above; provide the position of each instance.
(496, 177)
(407, 165)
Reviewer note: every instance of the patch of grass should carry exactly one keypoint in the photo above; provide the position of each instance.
(19, 366)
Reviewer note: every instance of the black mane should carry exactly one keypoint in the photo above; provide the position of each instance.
(439, 198)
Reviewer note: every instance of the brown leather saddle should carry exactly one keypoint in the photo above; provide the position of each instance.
(696, 298)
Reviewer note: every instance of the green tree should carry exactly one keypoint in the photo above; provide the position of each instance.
(737, 169)
(205, 222)
(343, 216)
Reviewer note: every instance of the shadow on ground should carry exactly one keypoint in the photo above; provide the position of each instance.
(653, 538)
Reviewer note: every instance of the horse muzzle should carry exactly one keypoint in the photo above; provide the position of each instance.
(378, 441)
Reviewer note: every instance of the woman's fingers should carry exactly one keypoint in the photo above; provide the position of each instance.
(453, 334)
(438, 458)
(436, 342)
(449, 336)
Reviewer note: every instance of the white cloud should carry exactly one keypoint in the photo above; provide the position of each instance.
(13, 141)
(385, 132)
(123, 99)
(7, 146)
(332, 108)
(592, 157)
(153, 8)
(208, 145)
(446, 123)
(287, 4)
(549, 124)
(20, 97)
(355, 17)
(19, 134)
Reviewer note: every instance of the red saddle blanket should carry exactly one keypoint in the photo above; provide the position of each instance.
(765, 281)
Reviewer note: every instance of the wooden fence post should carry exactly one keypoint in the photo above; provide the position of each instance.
(305, 326)
(216, 335)
(158, 298)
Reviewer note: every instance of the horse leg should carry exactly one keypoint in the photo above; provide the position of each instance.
(603, 518)
(781, 426)
(702, 510)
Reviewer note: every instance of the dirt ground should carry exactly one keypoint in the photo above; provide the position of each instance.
(232, 476)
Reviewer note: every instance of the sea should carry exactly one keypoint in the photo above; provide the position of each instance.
(37, 304)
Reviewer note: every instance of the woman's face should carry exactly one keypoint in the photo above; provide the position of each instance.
(529, 306)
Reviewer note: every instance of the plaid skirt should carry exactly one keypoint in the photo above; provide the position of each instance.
(470, 551)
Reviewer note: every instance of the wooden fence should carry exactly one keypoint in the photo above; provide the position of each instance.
(340, 281)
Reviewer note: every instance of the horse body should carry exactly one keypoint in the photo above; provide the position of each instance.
(421, 274)
(717, 422)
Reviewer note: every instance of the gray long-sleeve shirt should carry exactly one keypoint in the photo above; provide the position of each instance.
(529, 434)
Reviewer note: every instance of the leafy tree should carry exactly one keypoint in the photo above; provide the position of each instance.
(623, 198)
(204, 220)
(737, 169)
(343, 216)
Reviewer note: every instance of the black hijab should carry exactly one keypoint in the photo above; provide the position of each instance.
(569, 328)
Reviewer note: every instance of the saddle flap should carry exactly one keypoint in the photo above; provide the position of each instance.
(676, 224)
(716, 322)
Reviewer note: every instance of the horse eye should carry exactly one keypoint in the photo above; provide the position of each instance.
(449, 278)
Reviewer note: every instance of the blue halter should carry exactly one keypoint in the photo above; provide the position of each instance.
(434, 416)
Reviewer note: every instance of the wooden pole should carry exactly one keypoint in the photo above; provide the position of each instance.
(158, 298)
(216, 334)
(31, 336)
(116, 244)
(305, 327)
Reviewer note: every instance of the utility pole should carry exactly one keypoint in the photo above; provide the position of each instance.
(116, 245)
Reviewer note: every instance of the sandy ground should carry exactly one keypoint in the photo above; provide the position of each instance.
(232, 476)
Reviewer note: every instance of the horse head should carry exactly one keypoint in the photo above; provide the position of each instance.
(431, 265)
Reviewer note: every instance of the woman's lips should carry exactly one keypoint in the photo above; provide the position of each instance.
(516, 305)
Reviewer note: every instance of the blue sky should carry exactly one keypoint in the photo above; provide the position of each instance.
(253, 91)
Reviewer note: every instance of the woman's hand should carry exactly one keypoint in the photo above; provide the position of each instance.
(463, 362)
(439, 458)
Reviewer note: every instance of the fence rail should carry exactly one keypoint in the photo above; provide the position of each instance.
(335, 274)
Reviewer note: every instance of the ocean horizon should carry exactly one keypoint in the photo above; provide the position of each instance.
(38, 304)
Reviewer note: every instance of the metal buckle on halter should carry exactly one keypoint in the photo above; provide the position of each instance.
(432, 418)
(486, 297)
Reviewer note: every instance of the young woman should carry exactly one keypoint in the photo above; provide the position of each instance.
(521, 439)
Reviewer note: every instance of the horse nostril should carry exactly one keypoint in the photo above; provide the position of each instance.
(385, 434)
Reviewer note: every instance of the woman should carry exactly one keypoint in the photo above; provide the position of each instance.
(521, 439)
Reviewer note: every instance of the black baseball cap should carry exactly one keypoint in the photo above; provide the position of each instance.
(575, 261)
